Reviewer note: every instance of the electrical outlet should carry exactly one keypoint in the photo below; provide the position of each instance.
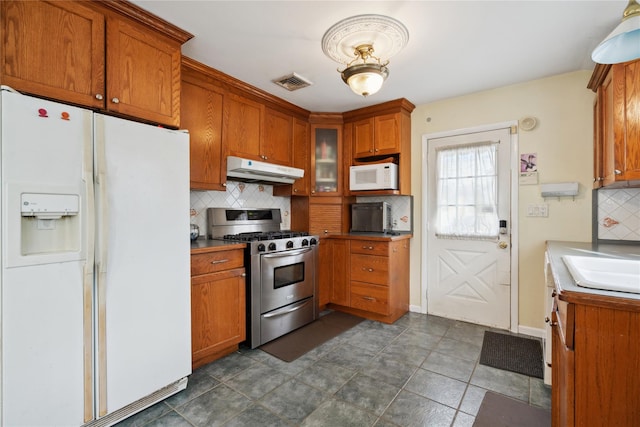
(538, 210)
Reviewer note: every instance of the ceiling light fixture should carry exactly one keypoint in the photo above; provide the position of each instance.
(356, 37)
(623, 44)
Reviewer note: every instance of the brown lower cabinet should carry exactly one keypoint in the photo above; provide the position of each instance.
(366, 277)
(595, 361)
(218, 320)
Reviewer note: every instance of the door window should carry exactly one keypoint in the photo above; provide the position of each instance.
(467, 192)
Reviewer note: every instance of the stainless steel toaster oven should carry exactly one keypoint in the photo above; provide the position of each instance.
(373, 217)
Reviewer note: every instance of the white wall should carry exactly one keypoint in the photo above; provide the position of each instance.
(563, 141)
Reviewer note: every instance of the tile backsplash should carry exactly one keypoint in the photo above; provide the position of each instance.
(401, 210)
(619, 214)
(246, 195)
(238, 195)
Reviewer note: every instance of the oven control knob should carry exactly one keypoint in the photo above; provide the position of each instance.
(305, 242)
(272, 246)
(261, 247)
(314, 241)
(289, 244)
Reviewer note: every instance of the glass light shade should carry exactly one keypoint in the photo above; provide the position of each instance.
(365, 79)
(622, 45)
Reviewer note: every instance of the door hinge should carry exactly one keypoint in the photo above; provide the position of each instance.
(514, 129)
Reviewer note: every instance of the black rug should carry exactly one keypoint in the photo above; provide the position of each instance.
(497, 410)
(294, 344)
(512, 353)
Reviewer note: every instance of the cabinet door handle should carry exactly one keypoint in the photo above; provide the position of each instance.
(369, 298)
(115, 100)
(219, 261)
(370, 270)
(368, 247)
(99, 96)
(618, 172)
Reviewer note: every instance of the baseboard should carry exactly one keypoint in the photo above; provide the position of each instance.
(533, 332)
(416, 309)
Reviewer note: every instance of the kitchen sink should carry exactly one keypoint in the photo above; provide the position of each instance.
(611, 274)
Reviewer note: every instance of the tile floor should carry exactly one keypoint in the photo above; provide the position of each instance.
(421, 371)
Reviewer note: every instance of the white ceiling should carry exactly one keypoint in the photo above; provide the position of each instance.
(455, 47)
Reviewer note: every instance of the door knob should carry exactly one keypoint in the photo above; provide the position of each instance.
(503, 245)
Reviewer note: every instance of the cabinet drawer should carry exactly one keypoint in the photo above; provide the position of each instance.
(374, 298)
(216, 261)
(370, 269)
(369, 247)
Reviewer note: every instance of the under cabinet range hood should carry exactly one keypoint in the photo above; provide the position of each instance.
(254, 171)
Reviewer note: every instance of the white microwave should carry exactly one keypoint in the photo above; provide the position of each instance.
(376, 176)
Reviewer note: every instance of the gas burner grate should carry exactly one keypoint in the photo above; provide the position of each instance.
(259, 235)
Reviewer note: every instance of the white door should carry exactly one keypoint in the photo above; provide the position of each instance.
(468, 229)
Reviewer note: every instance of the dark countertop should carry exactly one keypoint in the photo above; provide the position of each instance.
(203, 245)
(567, 287)
(370, 236)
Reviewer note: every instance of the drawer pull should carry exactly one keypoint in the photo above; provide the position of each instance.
(370, 270)
(368, 247)
(219, 261)
(369, 298)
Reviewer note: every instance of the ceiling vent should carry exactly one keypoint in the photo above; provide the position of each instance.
(292, 82)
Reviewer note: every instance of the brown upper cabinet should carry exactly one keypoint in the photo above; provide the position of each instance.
(377, 136)
(253, 131)
(278, 137)
(616, 125)
(201, 113)
(301, 156)
(242, 127)
(110, 56)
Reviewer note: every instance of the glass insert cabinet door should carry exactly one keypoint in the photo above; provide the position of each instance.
(326, 152)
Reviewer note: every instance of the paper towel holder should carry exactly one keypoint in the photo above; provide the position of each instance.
(559, 189)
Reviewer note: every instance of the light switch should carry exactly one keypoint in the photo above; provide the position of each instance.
(538, 210)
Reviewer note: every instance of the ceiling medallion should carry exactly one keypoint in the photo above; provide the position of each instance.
(364, 44)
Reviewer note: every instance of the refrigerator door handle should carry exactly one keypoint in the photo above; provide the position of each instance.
(88, 272)
(102, 245)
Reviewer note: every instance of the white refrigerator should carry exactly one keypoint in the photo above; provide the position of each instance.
(95, 278)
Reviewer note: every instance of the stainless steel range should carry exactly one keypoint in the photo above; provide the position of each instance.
(281, 270)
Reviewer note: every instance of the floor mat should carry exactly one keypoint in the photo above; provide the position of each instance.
(497, 410)
(293, 345)
(512, 353)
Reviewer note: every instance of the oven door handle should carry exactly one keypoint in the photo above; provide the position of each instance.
(287, 253)
(288, 309)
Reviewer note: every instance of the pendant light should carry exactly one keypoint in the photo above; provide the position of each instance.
(623, 44)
